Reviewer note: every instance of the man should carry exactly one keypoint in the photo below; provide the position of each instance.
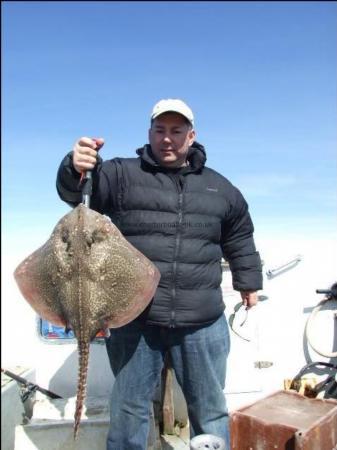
(184, 217)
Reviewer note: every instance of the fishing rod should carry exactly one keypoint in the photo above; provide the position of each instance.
(29, 388)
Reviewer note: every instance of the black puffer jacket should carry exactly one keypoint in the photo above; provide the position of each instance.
(184, 221)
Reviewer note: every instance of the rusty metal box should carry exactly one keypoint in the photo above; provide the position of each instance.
(285, 420)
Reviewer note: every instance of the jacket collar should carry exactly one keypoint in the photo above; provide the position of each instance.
(196, 157)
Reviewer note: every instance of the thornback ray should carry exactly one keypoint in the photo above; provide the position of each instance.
(87, 277)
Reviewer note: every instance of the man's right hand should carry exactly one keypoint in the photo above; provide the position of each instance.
(85, 153)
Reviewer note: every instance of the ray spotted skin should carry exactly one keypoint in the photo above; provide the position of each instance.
(87, 277)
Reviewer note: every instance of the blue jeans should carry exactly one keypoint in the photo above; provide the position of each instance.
(198, 355)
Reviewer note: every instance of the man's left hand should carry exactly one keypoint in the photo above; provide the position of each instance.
(249, 298)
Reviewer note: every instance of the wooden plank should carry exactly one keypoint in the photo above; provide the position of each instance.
(167, 397)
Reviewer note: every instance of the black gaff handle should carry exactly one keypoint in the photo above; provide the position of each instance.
(87, 188)
(87, 185)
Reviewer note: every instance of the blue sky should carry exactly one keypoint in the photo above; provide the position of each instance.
(259, 76)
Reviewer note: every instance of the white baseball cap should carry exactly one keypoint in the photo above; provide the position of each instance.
(172, 105)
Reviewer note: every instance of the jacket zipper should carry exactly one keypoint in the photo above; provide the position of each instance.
(176, 248)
